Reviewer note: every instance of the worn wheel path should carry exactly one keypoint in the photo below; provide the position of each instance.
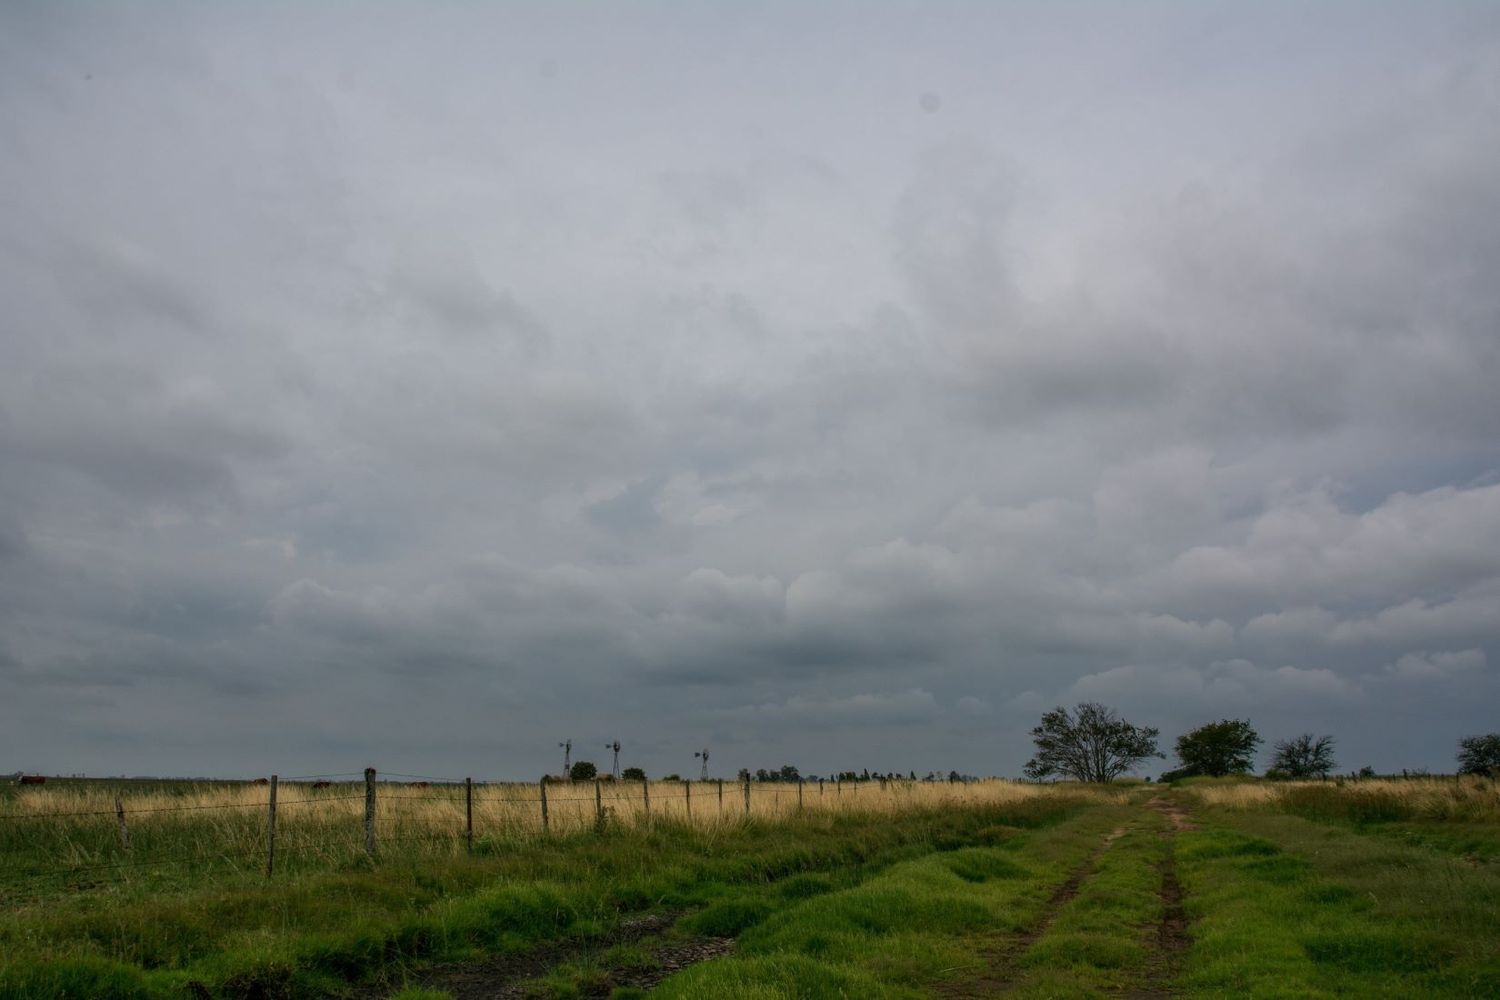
(1003, 962)
(1171, 943)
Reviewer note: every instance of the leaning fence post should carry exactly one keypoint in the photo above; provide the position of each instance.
(370, 811)
(545, 824)
(721, 796)
(271, 829)
(469, 812)
(598, 807)
(799, 794)
(747, 798)
(120, 819)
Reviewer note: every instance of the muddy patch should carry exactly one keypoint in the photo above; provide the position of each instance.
(1174, 812)
(514, 977)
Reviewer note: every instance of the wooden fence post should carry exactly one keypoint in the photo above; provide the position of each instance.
(271, 829)
(120, 819)
(370, 811)
(799, 794)
(721, 796)
(820, 788)
(598, 808)
(687, 799)
(545, 824)
(469, 813)
(646, 798)
(747, 798)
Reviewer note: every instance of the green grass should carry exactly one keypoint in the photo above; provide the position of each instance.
(1286, 907)
(1101, 940)
(921, 922)
(1463, 826)
(1334, 891)
(313, 934)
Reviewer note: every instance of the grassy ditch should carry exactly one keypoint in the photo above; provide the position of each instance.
(316, 933)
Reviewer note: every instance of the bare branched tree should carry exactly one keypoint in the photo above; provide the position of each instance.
(1091, 743)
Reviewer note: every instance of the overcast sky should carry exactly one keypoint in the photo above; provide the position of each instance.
(836, 384)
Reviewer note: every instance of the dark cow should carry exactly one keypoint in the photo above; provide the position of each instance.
(32, 779)
(261, 781)
(419, 784)
(322, 784)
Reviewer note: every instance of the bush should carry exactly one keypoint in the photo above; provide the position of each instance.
(583, 770)
(633, 774)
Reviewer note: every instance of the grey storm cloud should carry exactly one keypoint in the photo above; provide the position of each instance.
(840, 386)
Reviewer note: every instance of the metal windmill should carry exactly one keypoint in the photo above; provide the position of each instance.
(703, 774)
(567, 749)
(615, 746)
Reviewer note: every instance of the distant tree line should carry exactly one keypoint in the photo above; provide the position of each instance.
(1092, 743)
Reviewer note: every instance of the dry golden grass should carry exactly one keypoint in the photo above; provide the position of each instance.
(1240, 795)
(74, 823)
(1468, 798)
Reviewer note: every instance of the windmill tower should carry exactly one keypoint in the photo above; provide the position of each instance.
(703, 773)
(615, 746)
(567, 749)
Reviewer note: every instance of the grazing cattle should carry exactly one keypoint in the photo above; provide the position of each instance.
(32, 779)
(419, 784)
(261, 781)
(322, 784)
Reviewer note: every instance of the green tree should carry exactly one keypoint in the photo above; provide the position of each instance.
(633, 774)
(1479, 754)
(1091, 743)
(1218, 748)
(1304, 756)
(582, 770)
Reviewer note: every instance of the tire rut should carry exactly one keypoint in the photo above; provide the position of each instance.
(1169, 949)
(510, 977)
(1003, 962)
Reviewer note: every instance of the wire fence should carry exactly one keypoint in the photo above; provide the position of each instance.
(240, 825)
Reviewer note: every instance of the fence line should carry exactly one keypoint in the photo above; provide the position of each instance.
(615, 803)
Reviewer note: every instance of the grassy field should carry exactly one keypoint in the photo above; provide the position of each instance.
(1359, 889)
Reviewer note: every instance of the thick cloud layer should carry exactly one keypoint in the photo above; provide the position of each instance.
(839, 386)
